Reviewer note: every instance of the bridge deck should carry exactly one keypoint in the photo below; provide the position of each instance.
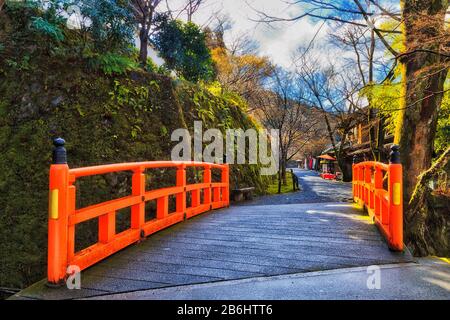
(236, 243)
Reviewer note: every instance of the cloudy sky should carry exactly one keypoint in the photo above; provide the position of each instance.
(277, 41)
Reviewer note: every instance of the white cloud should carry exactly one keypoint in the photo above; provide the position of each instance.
(278, 41)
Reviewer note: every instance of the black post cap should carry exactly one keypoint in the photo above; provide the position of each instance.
(355, 158)
(394, 156)
(59, 152)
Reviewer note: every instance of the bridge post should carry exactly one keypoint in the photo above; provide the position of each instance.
(181, 182)
(355, 185)
(138, 210)
(58, 214)
(378, 184)
(396, 199)
(226, 189)
(207, 180)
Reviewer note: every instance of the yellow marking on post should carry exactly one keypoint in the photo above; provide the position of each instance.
(53, 204)
(396, 194)
(444, 259)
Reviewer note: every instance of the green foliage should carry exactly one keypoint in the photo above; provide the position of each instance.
(45, 27)
(442, 140)
(183, 47)
(152, 67)
(138, 97)
(112, 63)
(386, 98)
(111, 23)
(45, 16)
(23, 64)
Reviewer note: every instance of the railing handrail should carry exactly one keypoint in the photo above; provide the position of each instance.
(384, 206)
(64, 216)
(132, 166)
(374, 164)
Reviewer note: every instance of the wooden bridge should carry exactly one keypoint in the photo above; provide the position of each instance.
(225, 243)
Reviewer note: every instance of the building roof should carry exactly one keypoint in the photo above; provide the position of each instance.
(326, 157)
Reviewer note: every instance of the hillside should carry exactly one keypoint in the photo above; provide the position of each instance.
(105, 117)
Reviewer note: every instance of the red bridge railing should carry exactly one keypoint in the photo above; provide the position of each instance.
(378, 187)
(63, 215)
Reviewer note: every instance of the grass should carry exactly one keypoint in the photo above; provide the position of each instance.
(273, 187)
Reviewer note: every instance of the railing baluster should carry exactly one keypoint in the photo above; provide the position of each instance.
(181, 182)
(226, 189)
(162, 207)
(107, 227)
(71, 195)
(195, 194)
(138, 189)
(207, 179)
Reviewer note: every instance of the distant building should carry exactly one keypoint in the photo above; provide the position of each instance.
(358, 143)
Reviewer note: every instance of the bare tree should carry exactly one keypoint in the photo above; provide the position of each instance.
(192, 6)
(145, 13)
(295, 122)
(362, 42)
(335, 94)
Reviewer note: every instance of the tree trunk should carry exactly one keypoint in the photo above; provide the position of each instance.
(380, 140)
(280, 178)
(424, 74)
(346, 169)
(423, 85)
(279, 182)
(143, 50)
(283, 174)
(429, 228)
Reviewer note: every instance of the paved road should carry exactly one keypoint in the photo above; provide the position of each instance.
(237, 243)
(314, 189)
(427, 279)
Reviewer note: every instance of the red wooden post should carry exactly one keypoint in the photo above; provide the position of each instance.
(354, 177)
(378, 186)
(71, 196)
(367, 181)
(58, 215)
(107, 227)
(226, 179)
(181, 182)
(395, 200)
(162, 207)
(195, 195)
(138, 189)
(207, 180)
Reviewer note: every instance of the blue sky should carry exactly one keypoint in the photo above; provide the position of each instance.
(280, 40)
